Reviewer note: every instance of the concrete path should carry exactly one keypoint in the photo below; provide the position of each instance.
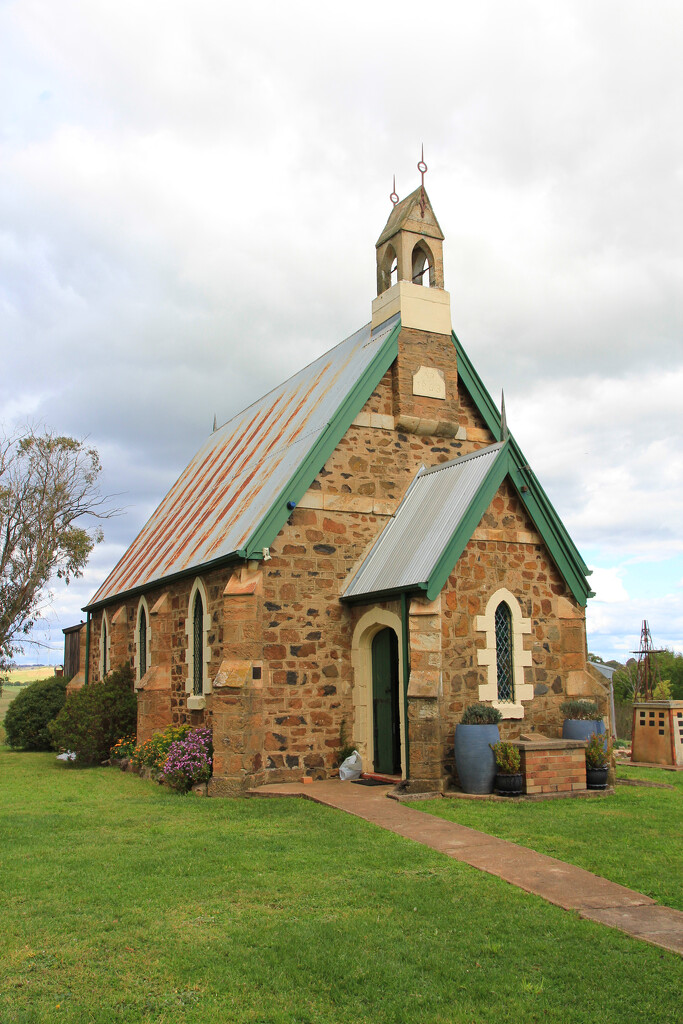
(572, 888)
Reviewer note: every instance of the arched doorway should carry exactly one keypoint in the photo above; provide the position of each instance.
(386, 714)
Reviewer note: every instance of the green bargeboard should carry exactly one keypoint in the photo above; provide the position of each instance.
(385, 702)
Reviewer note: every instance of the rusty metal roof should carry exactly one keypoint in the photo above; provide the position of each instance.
(218, 502)
(406, 552)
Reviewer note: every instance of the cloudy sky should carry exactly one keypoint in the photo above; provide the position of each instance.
(190, 194)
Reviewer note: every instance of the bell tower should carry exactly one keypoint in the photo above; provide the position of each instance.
(410, 266)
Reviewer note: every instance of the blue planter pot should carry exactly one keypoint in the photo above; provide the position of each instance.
(474, 758)
(578, 729)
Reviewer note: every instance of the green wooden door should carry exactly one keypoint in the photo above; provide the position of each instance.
(385, 703)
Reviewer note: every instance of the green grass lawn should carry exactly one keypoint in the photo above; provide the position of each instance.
(632, 837)
(124, 902)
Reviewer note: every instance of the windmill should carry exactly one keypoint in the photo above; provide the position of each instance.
(647, 673)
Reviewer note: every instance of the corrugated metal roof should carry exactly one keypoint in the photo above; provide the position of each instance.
(237, 475)
(413, 540)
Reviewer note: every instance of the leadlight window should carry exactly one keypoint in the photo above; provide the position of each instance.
(142, 641)
(198, 646)
(504, 670)
(104, 646)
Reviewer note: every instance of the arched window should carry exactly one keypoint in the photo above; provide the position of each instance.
(143, 631)
(504, 656)
(105, 657)
(504, 663)
(387, 269)
(423, 264)
(142, 641)
(198, 646)
(198, 655)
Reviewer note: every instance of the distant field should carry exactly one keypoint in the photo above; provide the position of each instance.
(19, 677)
(27, 675)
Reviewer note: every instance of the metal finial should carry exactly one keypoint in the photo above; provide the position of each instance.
(213, 431)
(394, 195)
(503, 418)
(422, 168)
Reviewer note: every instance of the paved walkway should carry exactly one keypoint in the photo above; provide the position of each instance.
(572, 888)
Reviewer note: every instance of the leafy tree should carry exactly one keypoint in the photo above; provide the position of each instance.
(28, 715)
(671, 668)
(624, 682)
(47, 484)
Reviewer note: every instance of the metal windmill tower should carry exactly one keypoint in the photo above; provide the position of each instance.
(647, 674)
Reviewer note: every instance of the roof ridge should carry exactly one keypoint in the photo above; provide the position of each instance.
(458, 461)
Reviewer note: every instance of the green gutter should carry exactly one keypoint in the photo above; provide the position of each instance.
(406, 674)
(87, 648)
(163, 581)
(278, 514)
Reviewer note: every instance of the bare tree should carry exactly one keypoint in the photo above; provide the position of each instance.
(47, 484)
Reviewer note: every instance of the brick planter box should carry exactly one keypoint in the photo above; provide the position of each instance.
(553, 766)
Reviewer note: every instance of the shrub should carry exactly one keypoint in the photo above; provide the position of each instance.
(30, 712)
(583, 710)
(480, 714)
(598, 750)
(508, 758)
(94, 717)
(189, 761)
(122, 748)
(152, 753)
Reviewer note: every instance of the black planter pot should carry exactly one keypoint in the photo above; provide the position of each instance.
(509, 785)
(596, 778)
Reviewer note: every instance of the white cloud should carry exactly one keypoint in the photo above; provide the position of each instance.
(190, 195)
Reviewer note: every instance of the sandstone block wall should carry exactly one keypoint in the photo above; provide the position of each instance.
(506, 551)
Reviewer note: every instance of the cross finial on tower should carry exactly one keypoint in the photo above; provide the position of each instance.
(394, 195)
(422, 168)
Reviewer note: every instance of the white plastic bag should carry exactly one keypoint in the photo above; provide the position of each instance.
(351, 768)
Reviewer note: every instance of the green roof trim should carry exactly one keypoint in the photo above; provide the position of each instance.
(546, 520)
(278, 514)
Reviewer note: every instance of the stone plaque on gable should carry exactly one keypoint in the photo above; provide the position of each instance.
(429, 382)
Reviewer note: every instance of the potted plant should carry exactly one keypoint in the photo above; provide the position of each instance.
(474, 760)
(598, 754)
(581, 719)
(509, 780)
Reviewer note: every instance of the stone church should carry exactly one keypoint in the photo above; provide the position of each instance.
(365, 550)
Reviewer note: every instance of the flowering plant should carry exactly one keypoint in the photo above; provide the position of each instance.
(122, 748)
(152, 753)
(189, 761)
(598, 750)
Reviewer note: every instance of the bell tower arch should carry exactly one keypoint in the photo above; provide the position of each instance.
(409, 256)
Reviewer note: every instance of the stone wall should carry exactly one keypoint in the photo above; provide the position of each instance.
(506, 552)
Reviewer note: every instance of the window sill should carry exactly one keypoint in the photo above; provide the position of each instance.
(196, 703)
